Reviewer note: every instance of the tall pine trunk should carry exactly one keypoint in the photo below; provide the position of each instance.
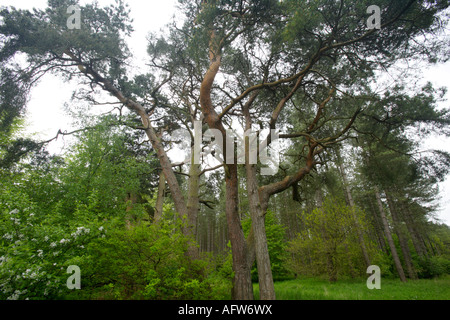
(242, 282)
(412, 229)
(193, 207)
(160, 198)
(403, 240)
(258, 208)
(362, 243)
(388, 235)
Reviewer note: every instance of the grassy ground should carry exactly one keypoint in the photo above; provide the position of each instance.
(391, 289)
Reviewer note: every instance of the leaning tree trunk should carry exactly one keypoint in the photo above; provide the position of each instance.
(390, 241)
(378, 224)
(362, 243)
(401, 238)
(411, 225)
(160, 199)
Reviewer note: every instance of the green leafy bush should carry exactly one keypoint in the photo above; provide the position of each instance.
(147, 261)
(34, 252)
(276, 244)
(432, 267)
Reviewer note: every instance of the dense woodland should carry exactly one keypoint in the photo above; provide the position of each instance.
(356, 184)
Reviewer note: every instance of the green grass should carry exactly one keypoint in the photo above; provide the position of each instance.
(356, 289)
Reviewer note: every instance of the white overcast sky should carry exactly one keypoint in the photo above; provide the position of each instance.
(48, 97)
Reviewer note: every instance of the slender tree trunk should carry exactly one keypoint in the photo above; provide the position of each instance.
(193, 207)
(266, 285)
(362, 243)
(160, 198)
(415, 235)
(401, 237)
(388, 234)
(258, 208)
(378, 224)
(242, 282)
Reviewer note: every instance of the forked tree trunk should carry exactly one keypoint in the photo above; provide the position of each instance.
(388, 234)
(242, 282)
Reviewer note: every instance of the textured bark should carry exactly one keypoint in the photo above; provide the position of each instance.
(258, 213)
(266, 286)
(193, 207)
(160, 198)
(388, 235)
(242, 282)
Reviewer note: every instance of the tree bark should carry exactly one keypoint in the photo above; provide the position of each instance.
(351, 203)
(193, 207)
(401, 237)
(258, 212)
(160, 199)
(242, 282)
(415, 235)
(388, 234)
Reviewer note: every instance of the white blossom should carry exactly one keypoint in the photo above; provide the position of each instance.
(16, 221)
(80, 231)
(8, 236)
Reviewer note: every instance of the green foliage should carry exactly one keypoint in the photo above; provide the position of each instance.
(34, 251)
(328, 243)
(51, 209)
(146, 261)
(276, 243)
(434, 266)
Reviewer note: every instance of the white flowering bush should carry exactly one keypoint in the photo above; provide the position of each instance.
(34, 251)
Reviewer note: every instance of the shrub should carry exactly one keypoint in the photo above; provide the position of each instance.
(147, 261)
(431, 267)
